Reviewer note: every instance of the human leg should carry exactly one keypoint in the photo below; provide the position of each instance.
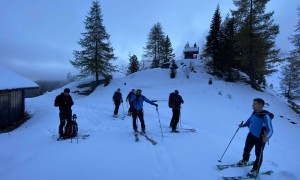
(259, 148)
(141, 117)
(176, 114)
(117, 104)
(134, 116)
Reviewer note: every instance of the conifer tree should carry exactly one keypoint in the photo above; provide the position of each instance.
(291, 71)
(173, 69)
(168, 50)
(256, 33)
(134, 64)
(228, 53)
(291, 78)
(155, 46)
(96, 54)
(212, 47)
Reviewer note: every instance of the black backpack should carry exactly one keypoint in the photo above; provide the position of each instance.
(172, 100)
(72, 129)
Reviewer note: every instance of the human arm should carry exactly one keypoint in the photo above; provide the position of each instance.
(71, 101)
(246, 124)
(269, 127)
(57, 101)
(114, 96)
(150, 102)
(181, 100)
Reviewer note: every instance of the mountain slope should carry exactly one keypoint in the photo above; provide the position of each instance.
(110, 152)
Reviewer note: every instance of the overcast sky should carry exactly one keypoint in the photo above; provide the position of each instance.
(38, 37)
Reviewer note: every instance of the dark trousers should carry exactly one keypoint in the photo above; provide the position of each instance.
(140, 114)
(259, 148)
(130, 108)
(175, 118)
(64, 116)
(117, 105)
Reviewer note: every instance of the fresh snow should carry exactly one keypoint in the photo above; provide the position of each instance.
(110, 153)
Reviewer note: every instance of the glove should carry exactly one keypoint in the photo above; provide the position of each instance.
(156, 105)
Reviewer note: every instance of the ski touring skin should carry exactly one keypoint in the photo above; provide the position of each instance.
(221, 167)
(149, 139)
(247, 177)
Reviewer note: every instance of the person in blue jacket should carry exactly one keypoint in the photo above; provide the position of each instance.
(260, 131)
(137, 109)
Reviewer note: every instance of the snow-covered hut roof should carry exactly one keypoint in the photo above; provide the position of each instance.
(191, 49)
(10, 80)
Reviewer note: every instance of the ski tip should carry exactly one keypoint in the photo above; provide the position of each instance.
(267, 172)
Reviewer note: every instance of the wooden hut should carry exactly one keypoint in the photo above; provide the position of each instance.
(191, 52)
(12, 96)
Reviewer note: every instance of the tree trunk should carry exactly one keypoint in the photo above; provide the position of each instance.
(250, 55)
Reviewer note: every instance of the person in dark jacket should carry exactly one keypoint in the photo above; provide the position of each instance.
(176, 111)
(137, 110)
(130, 94)
(117, 98)
(260, 131)
(64, 101)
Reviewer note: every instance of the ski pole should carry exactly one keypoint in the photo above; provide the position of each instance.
(220, 160)
(159, 123)
(113, 108)
(260, 154)
(180, 119)
(76, 128)
(159, 100)
(123, 109)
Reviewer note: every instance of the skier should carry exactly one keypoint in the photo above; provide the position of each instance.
(137, 110)
(64, 101)
(117, 98)
(175, 101)
(260, 131)
(130, 94)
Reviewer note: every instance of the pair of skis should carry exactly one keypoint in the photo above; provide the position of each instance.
(221, 167)
(185, 130)
(142, 134)
(247, 177)
(79, 136)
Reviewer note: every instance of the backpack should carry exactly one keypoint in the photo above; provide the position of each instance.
(172, 100)
(72, 129)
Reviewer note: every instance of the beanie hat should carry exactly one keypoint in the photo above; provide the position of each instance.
(67, 90)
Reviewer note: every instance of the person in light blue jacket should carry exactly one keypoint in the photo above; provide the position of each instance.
(260, 131)
(137, 109)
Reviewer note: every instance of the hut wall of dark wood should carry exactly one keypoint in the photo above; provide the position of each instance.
(12, 107)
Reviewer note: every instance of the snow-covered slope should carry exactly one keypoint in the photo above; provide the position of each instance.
(110, 153)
